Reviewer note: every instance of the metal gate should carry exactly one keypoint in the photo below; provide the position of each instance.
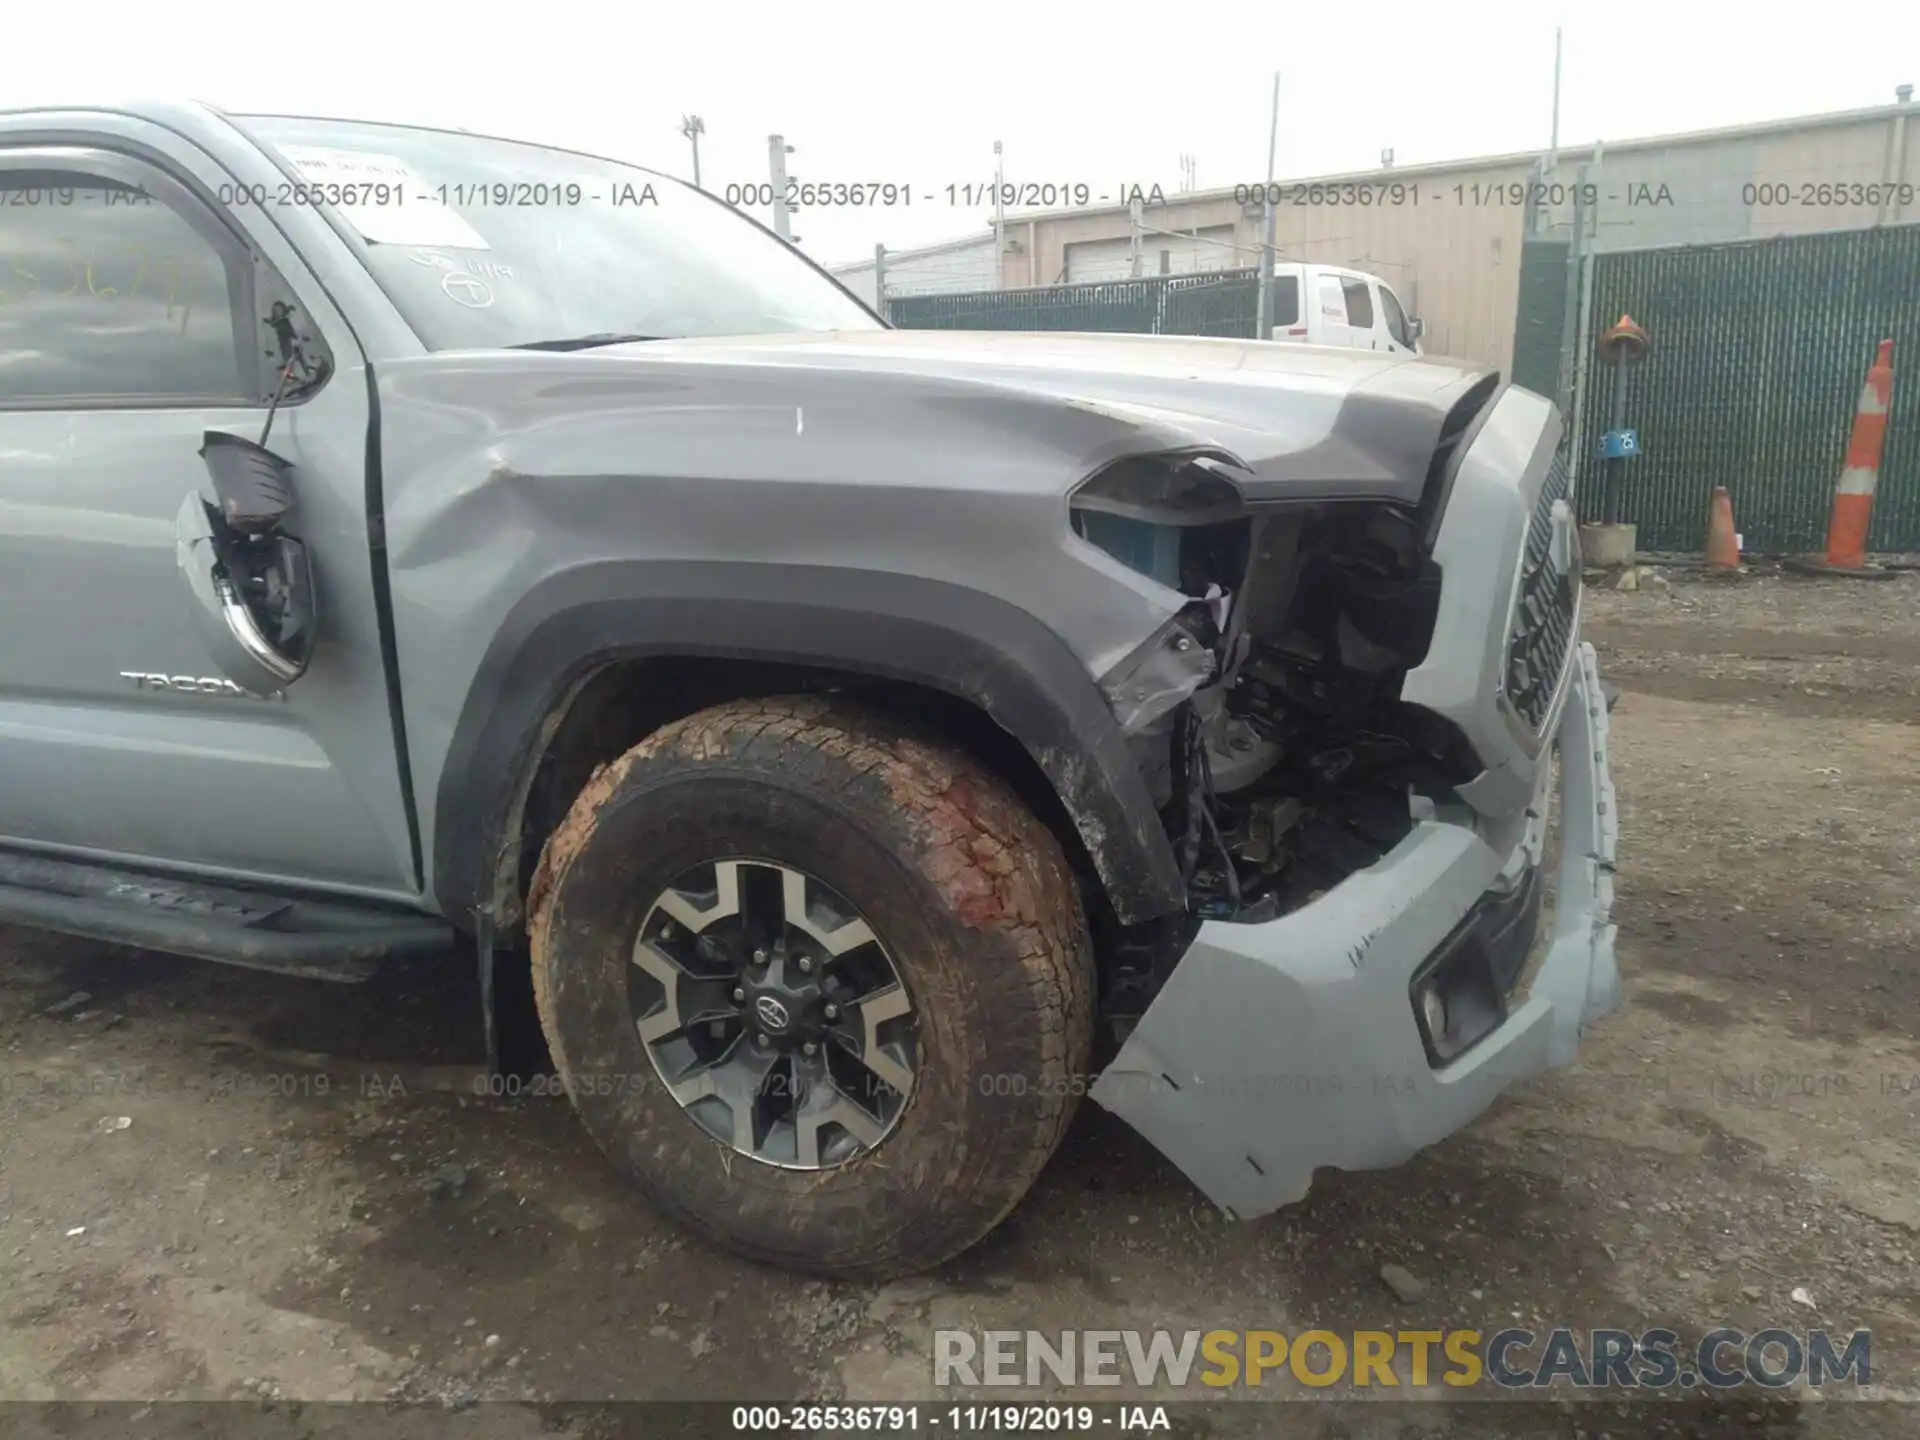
(1217, 302)
(1759, 352)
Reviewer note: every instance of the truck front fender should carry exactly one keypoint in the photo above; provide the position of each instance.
(962, 642)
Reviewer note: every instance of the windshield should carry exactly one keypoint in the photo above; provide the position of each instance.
(486, 243)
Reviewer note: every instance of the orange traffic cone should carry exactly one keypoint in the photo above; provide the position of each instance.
(1723, 546)
(1853, 496)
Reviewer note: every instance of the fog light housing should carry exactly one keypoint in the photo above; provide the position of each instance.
(1456, 1003)
(1459, 994)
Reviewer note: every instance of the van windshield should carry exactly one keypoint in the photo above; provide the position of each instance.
(485, 243)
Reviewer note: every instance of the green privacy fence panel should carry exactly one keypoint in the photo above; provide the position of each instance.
(1220, 302)
(1759, 352)
(1223, 303)
(1124, 307)
(1540, 319)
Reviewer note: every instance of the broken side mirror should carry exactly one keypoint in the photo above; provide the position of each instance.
(251, 583)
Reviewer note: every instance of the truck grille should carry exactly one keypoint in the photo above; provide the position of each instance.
(1541, 633)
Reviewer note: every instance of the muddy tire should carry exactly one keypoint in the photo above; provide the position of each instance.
(911, 928)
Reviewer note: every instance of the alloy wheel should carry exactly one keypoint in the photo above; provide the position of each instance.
(773, 1013)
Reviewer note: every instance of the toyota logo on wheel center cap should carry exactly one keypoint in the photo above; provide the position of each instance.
(772, 1013)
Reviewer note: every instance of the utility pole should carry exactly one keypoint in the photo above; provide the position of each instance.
(1264, 304)
(1589, 175)
(1576, 276)
(693, 127)
(999, 221)
(777, 152)
(1897, 158)
(1544, 165)
(1136, 233)
(1553, 142)
(880, 280)
(1576, 244)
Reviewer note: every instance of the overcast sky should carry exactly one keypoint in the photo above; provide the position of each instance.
(1102, 93)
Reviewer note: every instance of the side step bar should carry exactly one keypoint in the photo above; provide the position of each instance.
(320, 939)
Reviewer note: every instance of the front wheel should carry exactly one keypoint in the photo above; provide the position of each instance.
(823, 990)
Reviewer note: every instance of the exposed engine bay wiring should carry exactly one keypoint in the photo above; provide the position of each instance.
(1265, 715)
(1202, 807)
(1297, 764)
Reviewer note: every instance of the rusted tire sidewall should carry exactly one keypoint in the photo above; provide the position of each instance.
(969, 893)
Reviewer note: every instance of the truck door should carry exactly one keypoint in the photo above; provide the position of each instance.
(1393, 320)
(1358, 293)
(1327, 321)
(136, 315)
(1289, 321)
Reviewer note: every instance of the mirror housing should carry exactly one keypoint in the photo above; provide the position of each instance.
(1416, 327)
(233, 634)
(250, 583)
(252, 485)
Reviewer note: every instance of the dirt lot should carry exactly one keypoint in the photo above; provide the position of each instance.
(218, 1184)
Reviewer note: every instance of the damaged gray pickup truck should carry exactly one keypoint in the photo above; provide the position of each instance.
(412, 540)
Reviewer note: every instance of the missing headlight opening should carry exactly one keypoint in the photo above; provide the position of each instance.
(1266, 713)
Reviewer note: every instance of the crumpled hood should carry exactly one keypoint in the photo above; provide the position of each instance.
(1305, 420)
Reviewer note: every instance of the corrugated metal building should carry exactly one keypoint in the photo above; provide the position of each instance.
(1448, 236)
(1213, 248)
(952, 265)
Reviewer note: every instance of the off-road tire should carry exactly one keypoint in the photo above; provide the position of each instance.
(969, 892)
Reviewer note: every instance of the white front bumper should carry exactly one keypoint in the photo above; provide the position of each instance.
(1274, 1049)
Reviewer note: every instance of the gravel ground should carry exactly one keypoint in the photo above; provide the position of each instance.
(217, 1184)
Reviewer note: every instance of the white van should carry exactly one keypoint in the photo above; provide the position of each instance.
(1326, 305)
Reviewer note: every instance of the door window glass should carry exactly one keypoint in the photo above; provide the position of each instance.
(108, 293)
(1286, 300)
(1396, 318)
(1359, 302)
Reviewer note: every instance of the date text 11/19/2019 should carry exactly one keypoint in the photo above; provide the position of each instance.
(968, 194)
(912, 1419)
(1466, 195)
(464, 195)
(1078, 194)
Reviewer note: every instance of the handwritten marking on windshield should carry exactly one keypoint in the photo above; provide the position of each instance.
(473, 265)
(468, 290)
